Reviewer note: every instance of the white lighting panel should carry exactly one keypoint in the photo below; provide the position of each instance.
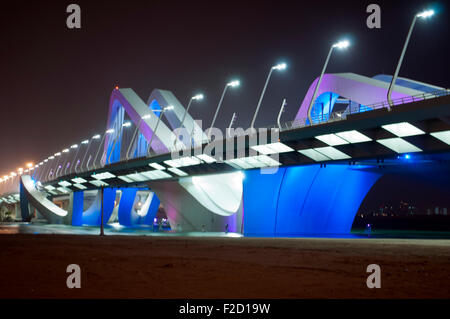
(64, 184)
(331, 139)
(79, 180)
(79, 186)
(125, 179)
(104, 175)
(272, 148)
(443, 136)
(403, 129)
(252, 162)
(137, 177)
(314, 155)
(206, 158)
(399, 145)
(156, 174)
(332, 153)
(177, 171)
(98, 183)
(63, 190)
(157, 166)
(353, 136)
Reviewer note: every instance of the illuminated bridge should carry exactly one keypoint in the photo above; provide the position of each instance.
(306, 176)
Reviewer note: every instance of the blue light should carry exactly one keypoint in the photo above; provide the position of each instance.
(407, 156)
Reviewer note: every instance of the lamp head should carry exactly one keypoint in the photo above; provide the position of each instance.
(425, 14)
(198, 97)
(234, 83)
(342, 44)
(280, 66)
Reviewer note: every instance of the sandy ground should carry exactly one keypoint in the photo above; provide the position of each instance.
(34, 266)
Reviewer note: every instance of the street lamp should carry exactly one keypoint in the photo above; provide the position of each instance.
(125, 124)
(233, 119)
(278, 67)
(423, 15)
(229, 84)
(145, 117)
(167, 108)
(338, 45)
(197, 97)
(108, 131)
(88, 142)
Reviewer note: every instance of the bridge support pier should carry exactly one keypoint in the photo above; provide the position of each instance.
(186, 213)
(92, 216)
(305, 200)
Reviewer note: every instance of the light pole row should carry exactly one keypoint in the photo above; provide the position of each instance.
(338, 45)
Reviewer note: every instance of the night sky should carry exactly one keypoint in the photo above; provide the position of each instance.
(56, 82)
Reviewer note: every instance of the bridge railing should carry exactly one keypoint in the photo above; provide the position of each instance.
(342, 115)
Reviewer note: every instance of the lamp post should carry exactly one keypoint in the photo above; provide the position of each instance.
(339, 45)
(229, 84)
(278, 67)
(81, 144)
(126, 124)
(95, 137)
(167, 108)
(233, 119)
(197, 97)
(58, 156)
(147, 116)
(282, 108)
(74, 146)
(109, 131)
(422, 15)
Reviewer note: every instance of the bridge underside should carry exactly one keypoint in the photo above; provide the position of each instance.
(299, 200)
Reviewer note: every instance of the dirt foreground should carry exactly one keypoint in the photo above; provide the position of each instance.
(34, 266)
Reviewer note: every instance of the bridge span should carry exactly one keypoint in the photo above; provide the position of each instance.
(306, 176)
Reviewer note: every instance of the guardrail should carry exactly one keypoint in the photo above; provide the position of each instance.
(338, 116)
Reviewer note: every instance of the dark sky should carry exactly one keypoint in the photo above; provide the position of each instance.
(55, 82)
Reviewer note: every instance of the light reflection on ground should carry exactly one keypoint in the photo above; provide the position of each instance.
(117, 229)
(110, 229)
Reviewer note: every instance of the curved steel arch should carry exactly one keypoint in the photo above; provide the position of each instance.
(136, 108)
(355, 87)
